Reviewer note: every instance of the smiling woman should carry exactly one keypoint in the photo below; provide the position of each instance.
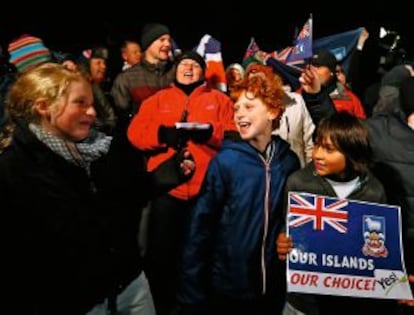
(190, 69)
(162, 128)
(70, 195)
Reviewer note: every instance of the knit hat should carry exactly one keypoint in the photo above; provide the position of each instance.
(407, 96)
(249, 61)
(236, 66)
(28, 51)
(324, 59)
(396, 75)
(193, 56)
(151, 32)
(96, 52)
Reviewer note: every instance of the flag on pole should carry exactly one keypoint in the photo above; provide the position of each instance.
(210, 49)
(302, 48)
(251, 49)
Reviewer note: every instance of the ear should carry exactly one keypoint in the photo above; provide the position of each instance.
(271, 115)
(42, 107)
(124, 56)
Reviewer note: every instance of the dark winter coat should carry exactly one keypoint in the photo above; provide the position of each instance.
(230, 248)
(72, 237)
(392, 142)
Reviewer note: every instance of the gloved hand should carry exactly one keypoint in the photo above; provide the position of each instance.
(201, 135)
(172, 137)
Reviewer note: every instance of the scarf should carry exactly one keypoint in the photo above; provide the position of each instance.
(81, 153)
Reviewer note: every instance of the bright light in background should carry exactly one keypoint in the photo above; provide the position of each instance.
(384, 32)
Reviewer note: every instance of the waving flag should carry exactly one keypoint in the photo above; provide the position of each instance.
(340, 45)
(210, 49)
(289, 74)
(319, 210)
(251, 49)
(282, 55)
(302, 48)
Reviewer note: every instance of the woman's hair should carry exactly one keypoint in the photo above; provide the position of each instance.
(230, 76)
(349, 136)
(268, 89)
(49, 81)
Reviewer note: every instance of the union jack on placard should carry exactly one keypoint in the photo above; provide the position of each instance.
(305, 208)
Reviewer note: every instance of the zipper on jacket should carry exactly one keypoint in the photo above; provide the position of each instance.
(266, 163)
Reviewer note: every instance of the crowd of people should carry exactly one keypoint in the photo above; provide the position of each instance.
(162, 191)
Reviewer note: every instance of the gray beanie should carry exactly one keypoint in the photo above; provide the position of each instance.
(151, 32)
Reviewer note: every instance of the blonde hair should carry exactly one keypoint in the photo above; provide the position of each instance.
(49, 81)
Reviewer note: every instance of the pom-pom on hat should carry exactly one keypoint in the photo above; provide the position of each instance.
(324, 59)
(28, 51)
(151, 32)
(193, 56)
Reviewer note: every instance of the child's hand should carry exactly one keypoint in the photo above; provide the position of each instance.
(283, 245)
(408, 302)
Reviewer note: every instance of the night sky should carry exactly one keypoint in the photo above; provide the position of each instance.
(72, 28)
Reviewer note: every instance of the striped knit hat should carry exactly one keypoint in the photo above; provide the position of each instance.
(28, 51)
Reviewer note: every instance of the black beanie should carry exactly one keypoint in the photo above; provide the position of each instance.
(326, 59)
(193, 56)
(151, 32)
(407, 96)
(99, 52)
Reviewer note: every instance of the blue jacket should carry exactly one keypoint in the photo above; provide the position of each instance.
(230, 246)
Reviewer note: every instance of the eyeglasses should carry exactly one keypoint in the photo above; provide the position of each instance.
(189, 64)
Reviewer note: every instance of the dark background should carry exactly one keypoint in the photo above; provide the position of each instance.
(70, 27)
